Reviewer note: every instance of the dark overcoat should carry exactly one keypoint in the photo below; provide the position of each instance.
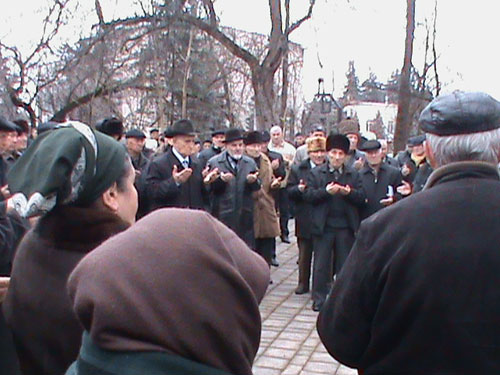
(423, 173)
(163, 191)
(376, 188)
(423, 297)
(205, 155)
(232, 202)
(303, 209)
(316, 194)
(46, 332)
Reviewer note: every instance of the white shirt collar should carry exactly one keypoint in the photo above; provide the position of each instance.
(179, 156)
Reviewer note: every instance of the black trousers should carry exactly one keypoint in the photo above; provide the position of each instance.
(334, 243)
(264, 247)
(284, 209)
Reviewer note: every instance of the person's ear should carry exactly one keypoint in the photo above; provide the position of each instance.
(430, 155)
(110, 198)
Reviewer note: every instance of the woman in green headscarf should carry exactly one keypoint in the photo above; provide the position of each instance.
(80, 183)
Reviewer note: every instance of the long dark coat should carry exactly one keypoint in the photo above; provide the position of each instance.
(164, 192)
(423, 297)
(376, 188)
(46, 332)
(207, 154)
(232, 202)
(303, 209)
(316, 194)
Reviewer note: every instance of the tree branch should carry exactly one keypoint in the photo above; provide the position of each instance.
(299, 22)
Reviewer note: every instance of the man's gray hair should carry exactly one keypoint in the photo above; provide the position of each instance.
(482, 146)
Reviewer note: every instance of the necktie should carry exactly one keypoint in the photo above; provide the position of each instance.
(185, 163)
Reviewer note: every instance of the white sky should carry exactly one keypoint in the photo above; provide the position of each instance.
(370, 32)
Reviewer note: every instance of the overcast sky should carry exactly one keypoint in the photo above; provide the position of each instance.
(370, 32)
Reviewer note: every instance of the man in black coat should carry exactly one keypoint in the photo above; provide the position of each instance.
(424, 297)
(379, 180)
(174, 179)
(296, 186)
(216, 148)
(336, 193)
(232, 179)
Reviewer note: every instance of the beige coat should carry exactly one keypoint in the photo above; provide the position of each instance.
(265, 219)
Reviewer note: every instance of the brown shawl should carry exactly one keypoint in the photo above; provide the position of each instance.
(177, 281)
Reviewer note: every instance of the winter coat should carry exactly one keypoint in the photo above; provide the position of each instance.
(163, 191)
(317, 195)
(46, 332)
(376, 187)
(303, 209)
(207, 154)
(423, 297)
(232, 202)
(265, 220)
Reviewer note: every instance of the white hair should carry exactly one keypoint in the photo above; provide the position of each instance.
(482, 146)
(276, 127)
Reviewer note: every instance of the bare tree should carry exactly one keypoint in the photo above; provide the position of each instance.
(403, 119)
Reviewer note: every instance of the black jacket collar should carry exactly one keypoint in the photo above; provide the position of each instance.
(462, 169)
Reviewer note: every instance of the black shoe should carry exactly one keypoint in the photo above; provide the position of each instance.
(285, 239)
(301, 289)
(317, 306)
(274, 262)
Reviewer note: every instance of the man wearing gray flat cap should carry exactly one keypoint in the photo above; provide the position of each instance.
(424, 297)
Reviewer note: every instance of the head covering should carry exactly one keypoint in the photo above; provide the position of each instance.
(70, 164)
(182, 127)
(6, 125)
(252, 138)
(135, 133)
(338, 141)
(233, 134)
(416, 140)
(370, 145)
(349, 126)
(191, 289)
(218, 132)
(266, 137)
(316, 144)
(111, 126)
(460, 113)
(318, 128)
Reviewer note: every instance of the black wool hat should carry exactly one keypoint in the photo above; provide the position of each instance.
(233, 134)
(338, 141)
(252, 138)
(181, 127)
(370, 145)
(416, 140)
(154, 130)
(6, 125)
(111, 126)
(461, 113)
(218, 132)
(266, 137)
(135, 133)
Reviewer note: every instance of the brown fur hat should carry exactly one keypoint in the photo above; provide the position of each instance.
(316, 144)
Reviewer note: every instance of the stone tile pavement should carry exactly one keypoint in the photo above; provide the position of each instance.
(290, 344)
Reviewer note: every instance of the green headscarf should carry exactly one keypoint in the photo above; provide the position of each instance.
(72, 164)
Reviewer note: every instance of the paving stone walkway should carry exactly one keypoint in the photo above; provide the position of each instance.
(290, 344)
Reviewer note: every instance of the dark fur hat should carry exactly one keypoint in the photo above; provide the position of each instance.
(338, 141)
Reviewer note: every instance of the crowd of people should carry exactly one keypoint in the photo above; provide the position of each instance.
(88, 290)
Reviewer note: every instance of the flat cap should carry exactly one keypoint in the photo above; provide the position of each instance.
(416, 140)
(135, 133)
(461, 113)
(218, 131)
(370, 145)
(6, 125)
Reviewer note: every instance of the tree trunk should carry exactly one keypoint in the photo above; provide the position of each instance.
(262, 82)
(187, 72)
(403, 119)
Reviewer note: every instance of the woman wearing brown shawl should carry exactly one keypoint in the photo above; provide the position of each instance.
(176, 293)
(81, 184)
